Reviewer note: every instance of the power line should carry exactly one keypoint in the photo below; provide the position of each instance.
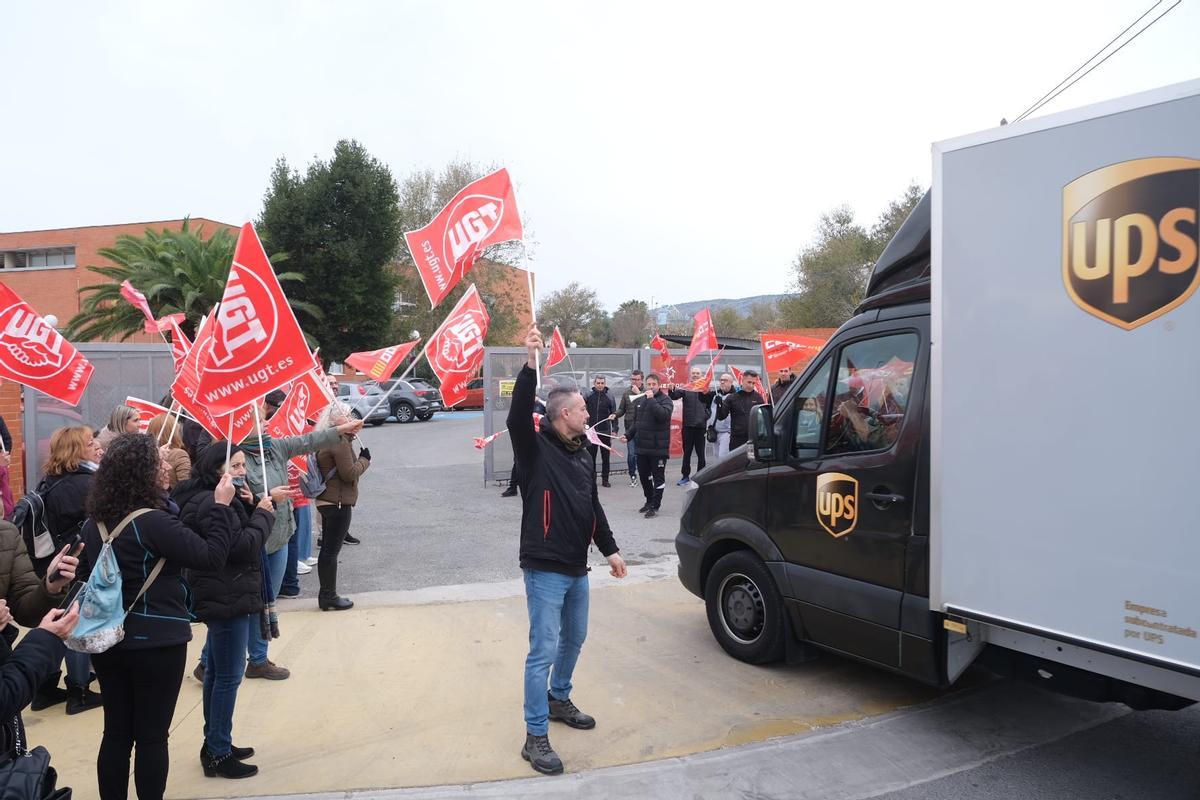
(1071, 79)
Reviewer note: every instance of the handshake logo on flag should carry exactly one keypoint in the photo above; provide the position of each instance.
(240, 326)
(31, 341)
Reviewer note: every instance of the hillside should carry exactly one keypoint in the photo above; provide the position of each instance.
(742, 305)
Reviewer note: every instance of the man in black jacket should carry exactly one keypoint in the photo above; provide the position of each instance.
(652, 433)
(737, 407)
(628, 409)
(560, 517)
(782, 384)
(600, 408)
(695, 397)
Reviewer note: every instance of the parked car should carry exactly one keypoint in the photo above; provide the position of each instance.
(363, 400)
(474, 395)
(412, 399)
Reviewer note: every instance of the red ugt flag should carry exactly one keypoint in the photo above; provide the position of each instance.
(704, 335)
(180, 345)
(662, 363)
(381, 364)
(186, 388)
(455, 351)
(33, 354)
(484, 212)
(256, 344)
(788, 349)
(146, 411)
(558, 349)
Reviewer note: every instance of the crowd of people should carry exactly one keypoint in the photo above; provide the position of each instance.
(201, 531)
(717, 416)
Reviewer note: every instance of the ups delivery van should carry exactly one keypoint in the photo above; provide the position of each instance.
(998, 456)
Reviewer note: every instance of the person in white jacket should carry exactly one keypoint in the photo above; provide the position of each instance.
(724, 387)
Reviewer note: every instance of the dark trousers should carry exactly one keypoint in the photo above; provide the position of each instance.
(291, 576)
(140, 688)
(693, 439)
(604, 457)
(652, 470)
(335, 524)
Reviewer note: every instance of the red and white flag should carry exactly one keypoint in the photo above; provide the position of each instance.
(318, 389)
(186, 388)
(704, 335)
(702, 384)
(483, 213)
(180, 345)
(782, 349)
(455, 350)
(256, 345)
(381, 364)
(292, 418)
(660, 344)
(34, 354)
(558, 349)
(483, 441)
(138, 300)
(594, 438)
(146, 411)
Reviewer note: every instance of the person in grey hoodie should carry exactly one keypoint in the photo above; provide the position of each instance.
(721, 426)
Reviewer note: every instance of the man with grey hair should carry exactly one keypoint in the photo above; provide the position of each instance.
(721, 426)
(560, 517)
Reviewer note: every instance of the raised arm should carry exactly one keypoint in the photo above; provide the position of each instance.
(520, 409)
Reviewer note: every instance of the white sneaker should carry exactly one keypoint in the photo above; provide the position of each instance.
(302, 568)
(312, 562)
(633, 481)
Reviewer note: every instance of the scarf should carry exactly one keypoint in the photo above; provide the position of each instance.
(571, 443)
(253, 442)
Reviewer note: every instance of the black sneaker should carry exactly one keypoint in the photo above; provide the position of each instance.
(351, 540)
(650, 512)
(606, 485)
(540, 755)
(644, 509)
(566, 711)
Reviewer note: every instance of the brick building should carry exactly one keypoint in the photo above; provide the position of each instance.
(47, 269)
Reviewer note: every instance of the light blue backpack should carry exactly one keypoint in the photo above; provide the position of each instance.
(101, 608)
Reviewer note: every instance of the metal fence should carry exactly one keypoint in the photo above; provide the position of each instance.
(501, 365)
(140, 370)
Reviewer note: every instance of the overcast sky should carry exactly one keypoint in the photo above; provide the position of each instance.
(666, 150)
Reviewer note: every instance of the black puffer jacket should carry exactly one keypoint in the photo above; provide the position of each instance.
(162, 616)
(695, 406)
(599, 405)
(652, 431)
(22, 669)
(235, 589)
(65, 497)
(561, 514)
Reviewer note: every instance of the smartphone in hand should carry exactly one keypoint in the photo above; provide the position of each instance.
(76, 540)
(72, 595)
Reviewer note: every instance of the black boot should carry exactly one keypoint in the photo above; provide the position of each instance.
(540, 755)
(226, 767)
(48, 693)
(240, 753)
(81, 697)
(334, 603)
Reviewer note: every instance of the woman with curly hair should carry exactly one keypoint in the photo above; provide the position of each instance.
(141, 675)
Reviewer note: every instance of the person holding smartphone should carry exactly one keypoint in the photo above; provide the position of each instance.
(228, 600)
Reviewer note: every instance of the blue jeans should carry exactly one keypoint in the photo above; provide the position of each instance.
(79, 668)
(558, 617)
(291, 576)
(227, 639)
(631, 458)
(304, 519)
(276, 563)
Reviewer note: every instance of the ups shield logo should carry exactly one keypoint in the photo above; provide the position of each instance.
(837, 503)
(1130, 239)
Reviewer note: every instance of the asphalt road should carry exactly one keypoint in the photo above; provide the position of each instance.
(426, 518)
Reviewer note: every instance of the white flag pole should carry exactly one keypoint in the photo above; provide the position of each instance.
(229, 444)
(261, 452)
(174, 425)
(537, 356)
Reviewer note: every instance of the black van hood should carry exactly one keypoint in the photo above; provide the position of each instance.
(734, 463)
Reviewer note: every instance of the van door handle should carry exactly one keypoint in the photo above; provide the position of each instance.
(884, 499)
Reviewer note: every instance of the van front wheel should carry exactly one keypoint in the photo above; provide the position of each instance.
(745, 611)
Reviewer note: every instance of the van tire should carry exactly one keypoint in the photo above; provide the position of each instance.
(745, 611)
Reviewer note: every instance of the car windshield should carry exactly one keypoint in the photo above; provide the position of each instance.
(421, 385)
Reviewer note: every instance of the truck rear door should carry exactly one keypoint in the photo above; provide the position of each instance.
(841, 499)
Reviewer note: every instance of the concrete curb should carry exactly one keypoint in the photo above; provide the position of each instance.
(657, 570)
(851, 762)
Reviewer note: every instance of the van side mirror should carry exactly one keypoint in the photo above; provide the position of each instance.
(762, 433)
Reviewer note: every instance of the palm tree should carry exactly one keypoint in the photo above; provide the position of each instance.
(178, 271)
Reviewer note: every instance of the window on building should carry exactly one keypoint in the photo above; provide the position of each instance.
(35, 259)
